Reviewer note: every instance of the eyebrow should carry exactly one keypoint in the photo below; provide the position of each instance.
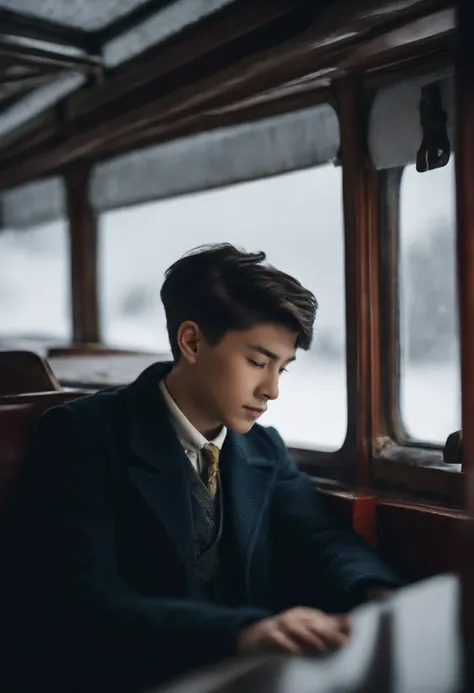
(268, 353)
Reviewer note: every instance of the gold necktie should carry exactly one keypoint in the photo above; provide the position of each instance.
(211, 457)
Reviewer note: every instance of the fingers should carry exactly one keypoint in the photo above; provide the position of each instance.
(282, 642)
(308, 639)
(328, 630)
(298, 631)
(313, 630)
(332, 637)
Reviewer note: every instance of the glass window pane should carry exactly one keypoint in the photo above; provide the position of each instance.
(430, 393)
(34, 283)
(297, 220)
(89, 15)
(167, 22)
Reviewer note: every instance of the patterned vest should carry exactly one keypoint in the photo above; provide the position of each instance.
(207, 526)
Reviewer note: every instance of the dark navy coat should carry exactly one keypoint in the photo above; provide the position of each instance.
(101, 555)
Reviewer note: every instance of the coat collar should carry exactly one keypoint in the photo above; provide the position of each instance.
(158, 465)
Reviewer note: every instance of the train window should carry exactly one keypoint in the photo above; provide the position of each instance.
(297, 219)
(430, 400)
(34, 283)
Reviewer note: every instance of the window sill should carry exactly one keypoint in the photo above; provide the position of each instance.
(418, 473)
(408, 472)
(414, 456)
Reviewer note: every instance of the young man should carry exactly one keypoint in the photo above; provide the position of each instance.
(160, 527)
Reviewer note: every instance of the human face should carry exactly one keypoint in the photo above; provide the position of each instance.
(236, 379)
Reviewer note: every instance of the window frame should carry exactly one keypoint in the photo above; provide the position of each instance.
(411, 467)
(391, 353)
(350, 465)
(333, 466)
(376, 455)
(337, 460)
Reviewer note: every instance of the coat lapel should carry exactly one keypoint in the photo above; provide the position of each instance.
(158, 467)
(157, 472)
(247, 480)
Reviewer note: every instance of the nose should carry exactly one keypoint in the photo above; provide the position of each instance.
(269, 388)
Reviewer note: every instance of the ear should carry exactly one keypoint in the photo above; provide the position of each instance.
(189, 339)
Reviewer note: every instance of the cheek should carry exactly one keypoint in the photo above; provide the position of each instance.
(233, 386)
(247, 385)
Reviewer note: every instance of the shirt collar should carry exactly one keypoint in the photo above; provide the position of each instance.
(189, 437)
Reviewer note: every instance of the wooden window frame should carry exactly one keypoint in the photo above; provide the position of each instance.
(398, 462)
(83, 256)
(377, 454)
(349, 465)
(408, 467)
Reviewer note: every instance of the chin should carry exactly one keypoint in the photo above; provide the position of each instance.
(241, 427)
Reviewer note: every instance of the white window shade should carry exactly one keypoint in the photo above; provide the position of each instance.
(395, 132)
(36, 203)
(218, 158)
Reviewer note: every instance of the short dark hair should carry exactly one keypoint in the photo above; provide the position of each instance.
(222, 288)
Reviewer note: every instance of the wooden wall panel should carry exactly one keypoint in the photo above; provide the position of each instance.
(418, 542)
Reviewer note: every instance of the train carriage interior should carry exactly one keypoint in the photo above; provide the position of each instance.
(338, 137)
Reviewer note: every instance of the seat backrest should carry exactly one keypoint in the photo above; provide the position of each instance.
(52, 398)
(92, 349)
(16, 423)
(24, 372)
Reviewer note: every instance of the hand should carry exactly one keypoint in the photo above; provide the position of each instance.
(297, 631)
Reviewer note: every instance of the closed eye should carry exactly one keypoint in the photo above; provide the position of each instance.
(258, 364)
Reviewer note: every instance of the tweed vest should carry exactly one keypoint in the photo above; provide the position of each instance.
(207, 515)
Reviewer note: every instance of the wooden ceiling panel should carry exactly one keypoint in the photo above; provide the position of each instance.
(234, 64)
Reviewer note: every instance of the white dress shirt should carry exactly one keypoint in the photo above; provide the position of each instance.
(190, 438)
